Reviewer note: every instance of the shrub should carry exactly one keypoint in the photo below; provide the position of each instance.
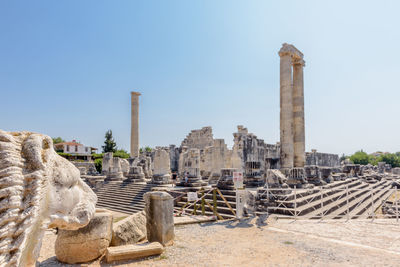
(360, 157)
(98, 163)
(121, 154)
(97, 156)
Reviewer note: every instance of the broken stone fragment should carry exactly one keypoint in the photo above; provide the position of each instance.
(87, 243)
(129, 230)
(131, 252)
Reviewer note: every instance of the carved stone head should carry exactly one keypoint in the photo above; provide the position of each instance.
(38, 189)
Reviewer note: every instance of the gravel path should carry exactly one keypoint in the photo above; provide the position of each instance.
(280, 243)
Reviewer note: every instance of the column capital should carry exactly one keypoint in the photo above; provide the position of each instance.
(288, 49)
(299, 61)
(135, 93)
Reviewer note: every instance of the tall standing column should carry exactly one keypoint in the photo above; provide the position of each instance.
(135, 124)
(286, 113)
(298, 114)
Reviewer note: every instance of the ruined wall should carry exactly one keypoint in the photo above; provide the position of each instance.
(199, 139)
(322, 159)
(250, 155)
(89, 167)
(253, 156)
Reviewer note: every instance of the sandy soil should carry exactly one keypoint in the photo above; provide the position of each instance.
(252, 242)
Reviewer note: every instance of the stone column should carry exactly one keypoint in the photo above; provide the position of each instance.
(159, 210)
(135, 124)
(298, 114)
(286, 113)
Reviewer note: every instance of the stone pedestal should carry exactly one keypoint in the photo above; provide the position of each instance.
(115, 174)
(192, 182)
(161, 179)
(313, 175)
(159, 217)
(162, 169)
(190, 169)
(297, 178)
(226, 180)
(326, 174)
(136, 174)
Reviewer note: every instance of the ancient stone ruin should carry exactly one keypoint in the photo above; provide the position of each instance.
(39, 189)
(202, 162)
(162, 167)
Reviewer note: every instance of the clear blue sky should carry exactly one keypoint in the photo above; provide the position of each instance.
(67, 67)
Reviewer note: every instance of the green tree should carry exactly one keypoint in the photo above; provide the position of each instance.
(57, 140)
(109, 143)
(121, 153)
(391, 159)
(145, 149)
(97, 156)
(360, 157)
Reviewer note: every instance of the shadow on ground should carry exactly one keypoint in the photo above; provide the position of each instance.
(246, 222)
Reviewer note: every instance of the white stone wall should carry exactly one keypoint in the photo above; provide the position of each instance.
(72, 149)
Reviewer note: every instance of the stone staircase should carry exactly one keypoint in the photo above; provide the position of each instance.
(352, 198)
(125, 197)
(222, 207)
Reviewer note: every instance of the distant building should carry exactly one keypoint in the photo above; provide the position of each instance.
(74, 150)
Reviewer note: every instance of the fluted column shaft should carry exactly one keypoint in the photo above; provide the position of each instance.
(286, 113)
(135, 124)
(298, 114)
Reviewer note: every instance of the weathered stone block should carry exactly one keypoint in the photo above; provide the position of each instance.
(275, 178)
(129, 230)
(131, 252)
(396, 171)
(160, 217)
(87, 243)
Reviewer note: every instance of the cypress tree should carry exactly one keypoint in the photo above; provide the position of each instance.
(109, 143)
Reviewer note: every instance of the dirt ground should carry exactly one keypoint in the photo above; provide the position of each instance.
(253, 242)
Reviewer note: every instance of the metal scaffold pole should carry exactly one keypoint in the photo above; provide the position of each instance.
(295, 203)
(372, 205)
(395, 202)
(347, 202)
(322, 203)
